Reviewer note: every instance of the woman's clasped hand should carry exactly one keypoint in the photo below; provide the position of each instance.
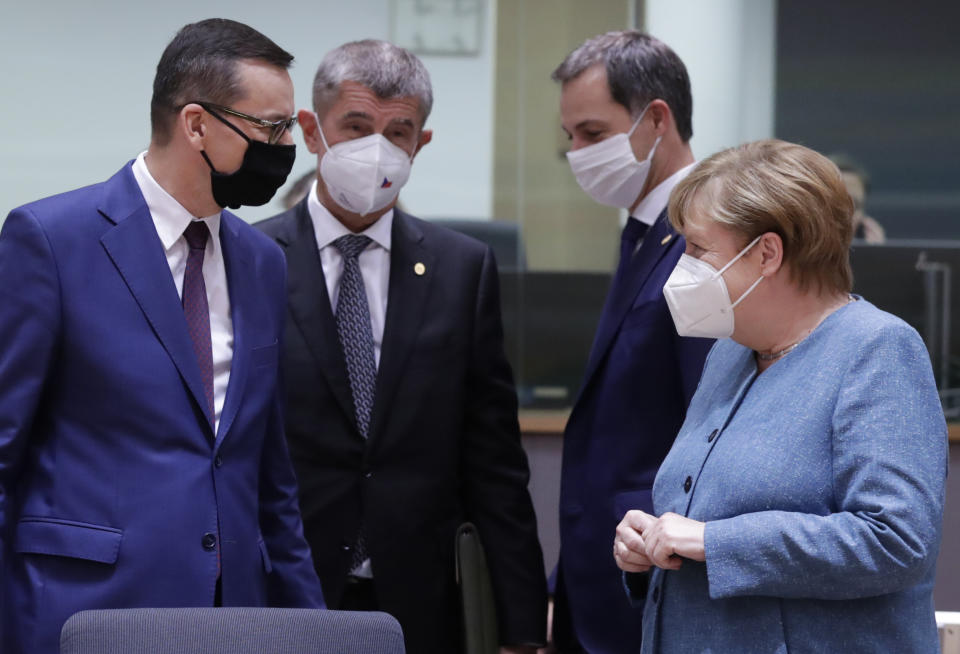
(644, 541)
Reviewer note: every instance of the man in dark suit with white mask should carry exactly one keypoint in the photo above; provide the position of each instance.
(401, 410)
(626, 105)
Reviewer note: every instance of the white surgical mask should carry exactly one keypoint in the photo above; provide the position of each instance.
(363, 175)
(609, 172)
(698, 299)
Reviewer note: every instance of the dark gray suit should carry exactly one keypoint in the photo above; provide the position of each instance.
(444, 442)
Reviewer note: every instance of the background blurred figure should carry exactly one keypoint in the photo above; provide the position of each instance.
(801, 505)
(142, 458)
(625, 104)
(402, 415)
(298, 190)
(857, 181)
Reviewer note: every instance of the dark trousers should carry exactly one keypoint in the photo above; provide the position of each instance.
(359, 595)
(565, 639)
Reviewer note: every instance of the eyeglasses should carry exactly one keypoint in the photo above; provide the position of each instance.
(276, 127)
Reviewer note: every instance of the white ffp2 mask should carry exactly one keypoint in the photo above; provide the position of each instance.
(698, 298)
(609, 172)
(363, 175)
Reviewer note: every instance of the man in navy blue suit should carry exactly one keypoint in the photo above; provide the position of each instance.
(626, 106)
(142, 454)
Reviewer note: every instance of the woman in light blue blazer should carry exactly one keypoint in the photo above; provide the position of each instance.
(800, 508)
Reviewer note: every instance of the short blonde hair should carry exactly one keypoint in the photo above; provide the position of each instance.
(779, 187)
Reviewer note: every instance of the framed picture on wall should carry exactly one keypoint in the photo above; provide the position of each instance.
(439, 27)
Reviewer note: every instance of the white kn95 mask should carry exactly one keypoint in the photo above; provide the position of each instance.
(698, 299)
(363, 175)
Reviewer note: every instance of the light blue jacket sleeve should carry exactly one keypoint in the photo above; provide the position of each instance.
(889, 460)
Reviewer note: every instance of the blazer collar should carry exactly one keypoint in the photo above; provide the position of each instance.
(237, 259)
(135, 249)
(657, 242)
(310, 304)
(411, 274)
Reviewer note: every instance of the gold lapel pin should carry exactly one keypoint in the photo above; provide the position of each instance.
(666, 239)
(419, 268)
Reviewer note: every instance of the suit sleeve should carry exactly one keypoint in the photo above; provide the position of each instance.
(495, 474)
(29, 324)
(293, 581)
(889, 471)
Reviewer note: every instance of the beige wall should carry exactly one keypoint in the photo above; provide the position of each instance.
(562, 227)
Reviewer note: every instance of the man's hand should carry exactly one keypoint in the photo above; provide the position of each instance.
(629, 546)
(671, 538)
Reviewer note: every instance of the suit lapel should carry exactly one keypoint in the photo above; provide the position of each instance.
(655, 245)
(135, 249)
(237, 260)
(407, 295)
(310, 304)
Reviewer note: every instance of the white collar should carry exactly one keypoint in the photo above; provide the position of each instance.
(652, 205)
(169, 216)
(328, 229)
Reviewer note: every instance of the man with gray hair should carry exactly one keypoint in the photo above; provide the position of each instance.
(626, 106)
(401, 410)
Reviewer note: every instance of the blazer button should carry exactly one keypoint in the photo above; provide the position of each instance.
(345, 547)
(367, 474)
(656, 594)
(687, 483)
(712, 435)
(209, 541)
(218, 461)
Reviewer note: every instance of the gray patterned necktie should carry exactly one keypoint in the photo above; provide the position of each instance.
(356, 339)
(354, 330)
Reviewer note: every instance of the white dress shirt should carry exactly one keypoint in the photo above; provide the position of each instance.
(374, 262)
(654, 202)
(170, 219)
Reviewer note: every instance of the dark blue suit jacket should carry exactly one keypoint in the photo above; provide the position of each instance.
(639, 380)
(111, 478)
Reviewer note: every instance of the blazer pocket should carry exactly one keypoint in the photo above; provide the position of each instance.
(264, 356)
(629, 500)
(265, 556)
(77, 540)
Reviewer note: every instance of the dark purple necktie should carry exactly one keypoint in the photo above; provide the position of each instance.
(632, 232)
(195, 307)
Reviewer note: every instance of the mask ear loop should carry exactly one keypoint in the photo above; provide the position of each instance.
(637, 122)
(323, 138)
(736, 258)
(226, 122)
(733, 261)
(746, 293)
(230, 125)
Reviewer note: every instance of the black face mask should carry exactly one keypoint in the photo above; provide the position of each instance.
(264, 169)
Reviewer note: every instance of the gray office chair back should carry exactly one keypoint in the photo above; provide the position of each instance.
(230, 631)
